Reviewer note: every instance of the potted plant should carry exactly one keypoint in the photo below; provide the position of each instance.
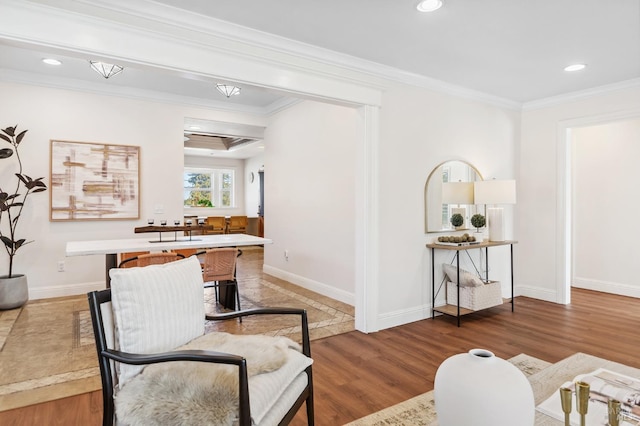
(457, 220)
(14, 291)
(478, 221)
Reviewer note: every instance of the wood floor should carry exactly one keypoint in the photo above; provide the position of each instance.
(357, 374)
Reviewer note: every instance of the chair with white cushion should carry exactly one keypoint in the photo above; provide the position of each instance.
(161, 368)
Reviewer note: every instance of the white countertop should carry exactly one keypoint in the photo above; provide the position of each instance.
(83, 248)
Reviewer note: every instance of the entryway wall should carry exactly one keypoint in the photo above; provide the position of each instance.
(605, 205)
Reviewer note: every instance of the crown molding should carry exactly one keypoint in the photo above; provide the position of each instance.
(335, 64)
(580, 95)
(33, 79)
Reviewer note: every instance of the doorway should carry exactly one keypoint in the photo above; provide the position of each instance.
(596, 156)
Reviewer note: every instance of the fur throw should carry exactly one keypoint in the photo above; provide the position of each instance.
(198, 393)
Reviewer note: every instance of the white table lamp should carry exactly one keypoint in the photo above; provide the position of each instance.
(494, 192)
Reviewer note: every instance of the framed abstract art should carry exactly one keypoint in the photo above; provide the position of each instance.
(94, 181)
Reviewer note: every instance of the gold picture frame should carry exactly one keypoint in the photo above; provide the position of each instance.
(94, 181)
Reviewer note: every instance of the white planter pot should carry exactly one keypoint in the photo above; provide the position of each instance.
(14, 291)
(477, 388)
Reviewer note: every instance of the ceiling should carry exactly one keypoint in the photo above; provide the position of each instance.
(511, 49)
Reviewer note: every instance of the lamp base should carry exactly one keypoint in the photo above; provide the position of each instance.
(496, 224)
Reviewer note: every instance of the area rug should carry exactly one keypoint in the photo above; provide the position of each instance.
(47, 349)
(420, 410)
(47, 352)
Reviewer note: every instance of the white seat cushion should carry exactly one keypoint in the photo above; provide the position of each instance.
(203, 393)
(156, 309)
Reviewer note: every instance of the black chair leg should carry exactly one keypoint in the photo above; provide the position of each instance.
(235, 284)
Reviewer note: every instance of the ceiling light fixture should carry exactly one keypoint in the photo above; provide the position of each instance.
(228, 90)
(51, 61)
(104, 69)
(575, 67)
(429, 5)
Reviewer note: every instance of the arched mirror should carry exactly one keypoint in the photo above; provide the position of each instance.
(449, 190)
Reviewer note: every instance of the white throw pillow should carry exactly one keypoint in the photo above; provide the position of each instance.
(467, 279)
(156, 308)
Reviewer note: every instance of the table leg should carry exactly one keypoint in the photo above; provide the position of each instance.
(227, 295)
(433, 285)
(458, 286)
(513, 299)
(111, 261)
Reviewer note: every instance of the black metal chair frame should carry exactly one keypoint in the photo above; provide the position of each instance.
(105, 355)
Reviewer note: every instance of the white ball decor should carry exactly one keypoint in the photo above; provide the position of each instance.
(480, 389)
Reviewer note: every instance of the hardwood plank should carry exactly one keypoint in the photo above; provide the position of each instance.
(356, 374)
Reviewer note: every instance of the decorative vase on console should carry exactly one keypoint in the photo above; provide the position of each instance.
(480, 389)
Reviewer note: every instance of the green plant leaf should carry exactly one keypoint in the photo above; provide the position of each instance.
(22, 178)
(5, 138)
(20, 136)
(7, 242)
(38, 190)
(10, 131)
(19, 243)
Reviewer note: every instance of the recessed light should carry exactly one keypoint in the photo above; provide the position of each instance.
(429, 5)
(51, 61)
(194, 127)
(575, 67)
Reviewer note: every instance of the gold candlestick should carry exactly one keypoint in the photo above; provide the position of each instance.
(565, 398)
(614, 411)
(582, 400)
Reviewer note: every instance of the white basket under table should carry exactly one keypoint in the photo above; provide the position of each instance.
(475, 297)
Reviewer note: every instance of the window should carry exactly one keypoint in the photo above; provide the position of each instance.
(208, 188)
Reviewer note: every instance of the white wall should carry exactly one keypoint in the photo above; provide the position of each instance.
(605, 206)
(61, 114)
(309, 166)
(541, 228)
(419, 130)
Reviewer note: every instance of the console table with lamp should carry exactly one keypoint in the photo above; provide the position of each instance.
(457, 310)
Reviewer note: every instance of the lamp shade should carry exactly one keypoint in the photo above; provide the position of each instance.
(457, 193)
(494, 191)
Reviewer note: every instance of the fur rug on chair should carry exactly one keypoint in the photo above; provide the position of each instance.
(198, 393)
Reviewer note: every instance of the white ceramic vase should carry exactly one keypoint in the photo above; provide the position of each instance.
(479, 389)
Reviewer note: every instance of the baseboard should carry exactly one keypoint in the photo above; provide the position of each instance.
(64, 290)
(607, 287)
(318, 287)
(536, 293)
(404, 316)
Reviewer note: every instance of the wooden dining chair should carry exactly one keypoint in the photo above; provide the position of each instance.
(150, 259)
(219, 224)
(219, 271)
(130, 255)
(237, 225)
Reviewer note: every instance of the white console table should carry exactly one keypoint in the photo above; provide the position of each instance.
(111, 248)
(457, 311)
